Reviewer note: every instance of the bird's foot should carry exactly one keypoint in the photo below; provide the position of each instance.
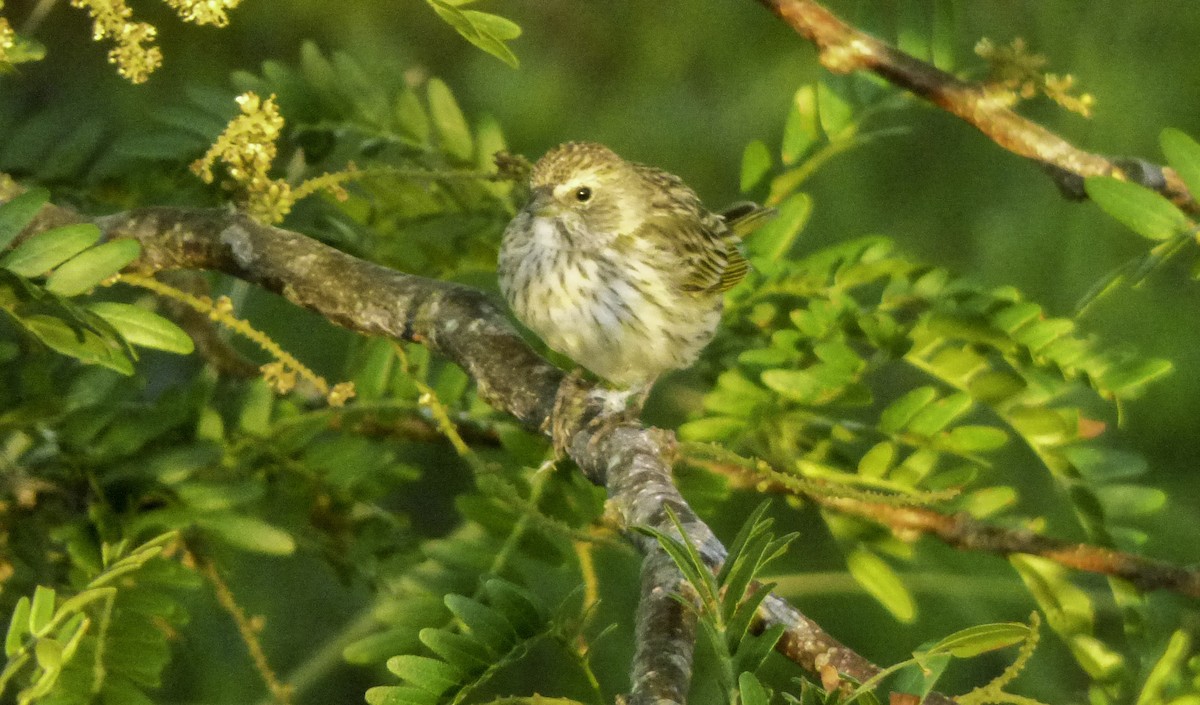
(571, 403)
(580, 406)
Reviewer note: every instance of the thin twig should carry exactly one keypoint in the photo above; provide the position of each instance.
(962, 531)
(281, 692)
(845, 49)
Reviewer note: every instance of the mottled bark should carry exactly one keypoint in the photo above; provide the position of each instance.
(631, 461)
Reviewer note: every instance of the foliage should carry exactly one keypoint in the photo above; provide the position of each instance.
(727, 602)
(101, 332)
(415, 538)
(108, 640)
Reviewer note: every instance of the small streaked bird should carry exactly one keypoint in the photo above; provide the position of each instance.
(619, 266)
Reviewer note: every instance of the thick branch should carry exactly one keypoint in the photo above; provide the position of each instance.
(633, 462)
(458, 321)
(843, 49)
(666, 635)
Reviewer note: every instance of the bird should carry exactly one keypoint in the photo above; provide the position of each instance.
(619, 266)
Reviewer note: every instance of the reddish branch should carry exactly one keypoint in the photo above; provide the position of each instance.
(964, 532)
(844, 49)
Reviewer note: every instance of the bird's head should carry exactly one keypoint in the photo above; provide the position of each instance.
(588, 189)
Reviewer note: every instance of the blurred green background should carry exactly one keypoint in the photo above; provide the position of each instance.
(686, 85)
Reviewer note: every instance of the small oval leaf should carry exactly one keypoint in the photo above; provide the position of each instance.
(425, 673)
(981, 639)
(90, 267)
(1183, 153)
(449, 121)
(1147, 213)
(144, 328)
(756, 161)
(45, 251)
(249, 533)
(773, 240)
(19, 212)
(877, 578)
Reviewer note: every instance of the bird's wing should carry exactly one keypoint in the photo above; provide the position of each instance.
(704, 251)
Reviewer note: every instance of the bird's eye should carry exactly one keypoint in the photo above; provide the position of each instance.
(583, 194)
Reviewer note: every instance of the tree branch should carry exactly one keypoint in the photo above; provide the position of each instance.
(666, 635)
(460, 322)
(844, 49)
(962, 531)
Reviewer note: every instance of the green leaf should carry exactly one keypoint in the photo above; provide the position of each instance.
(993, 386)
(988, 501)
(973, 641)
(735, 395)
(518, 605)
(1129, 379)
(249, 533)
(800, 385)
(83, 345)
(72, 633)
(1099, 660)
(395, 695)
(881, 582)
(897, 415)
(756, 162)
(800, 130)
(1146, 212)
(255, 416)
(483, 29)
(939, 414)
(922, 679)
(90, 267)
(49, 655)
(47, 250)
(713, 428)
(411, 116)
(1183, 153)
(425, 673)
(17, 213)
(41, 611)
(379, 646)
(458, 650)
(750, 690)
(878, 460)
(449, 121)
(1125, 501)
(18, 627)
(754, 531)
(488, 626)
(974, 439)
(144, 328)
(835, 113)
(774, 240)
(1167, 668)
(1101, 464)
(1040, 425)
(1068, 609)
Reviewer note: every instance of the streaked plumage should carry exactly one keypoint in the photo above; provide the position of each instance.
(618, 265)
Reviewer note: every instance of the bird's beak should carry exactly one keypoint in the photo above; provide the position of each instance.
(541, 203)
